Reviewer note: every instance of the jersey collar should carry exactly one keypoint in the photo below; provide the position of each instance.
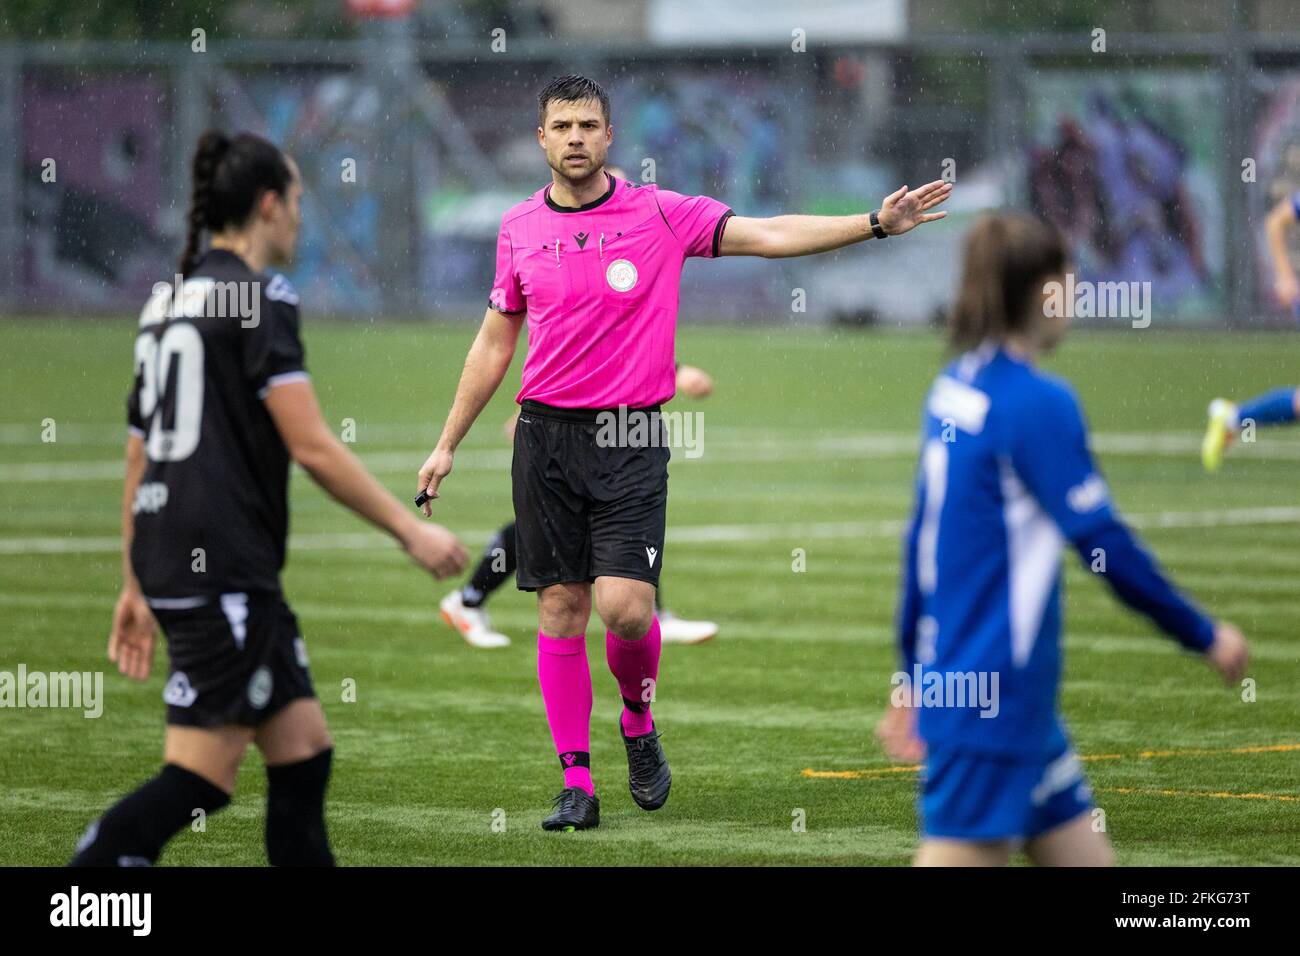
(591, 205)
(211, 256)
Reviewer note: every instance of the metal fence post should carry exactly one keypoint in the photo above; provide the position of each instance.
(398, 259)
(11, 180)
(1006, 131)
(1240, 268)
(190, 118)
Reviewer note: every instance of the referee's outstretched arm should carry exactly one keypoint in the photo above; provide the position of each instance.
(783, 236)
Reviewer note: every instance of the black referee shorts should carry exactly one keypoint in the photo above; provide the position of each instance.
(590, 496)
(235, 659)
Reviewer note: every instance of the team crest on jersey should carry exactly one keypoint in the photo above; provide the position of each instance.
(621, 275)
(259, 687)
(179, 692)
(280, 290)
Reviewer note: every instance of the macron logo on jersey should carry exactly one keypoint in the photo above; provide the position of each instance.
(1089, 495)
(964, 405)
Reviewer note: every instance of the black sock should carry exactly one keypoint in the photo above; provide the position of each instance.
(133, 831)
(492, 570)
(295, 812)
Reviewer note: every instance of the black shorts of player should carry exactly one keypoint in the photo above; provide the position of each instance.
(235, 659)
(590, 494)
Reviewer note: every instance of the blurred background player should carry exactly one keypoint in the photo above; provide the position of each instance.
(221, 402)
(594, 264)
(465, 609)
(1281, 405)
(1005, 478)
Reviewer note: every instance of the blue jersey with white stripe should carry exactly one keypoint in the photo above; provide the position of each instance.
(1006, 480)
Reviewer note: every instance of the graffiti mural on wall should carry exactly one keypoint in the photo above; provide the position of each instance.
(94, 188)
(327, 122)
(1126, 168)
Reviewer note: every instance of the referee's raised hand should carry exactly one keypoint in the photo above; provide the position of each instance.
(904, 210)
(436, 467)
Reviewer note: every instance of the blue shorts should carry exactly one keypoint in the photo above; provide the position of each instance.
(977, 796)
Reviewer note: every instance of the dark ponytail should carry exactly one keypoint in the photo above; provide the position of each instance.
(212, 147)
(1007, 258)
(229, 174)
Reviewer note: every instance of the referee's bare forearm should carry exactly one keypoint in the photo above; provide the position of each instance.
(485, 366)
(781, 237)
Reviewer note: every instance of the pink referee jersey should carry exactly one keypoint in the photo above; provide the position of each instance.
(600, 285)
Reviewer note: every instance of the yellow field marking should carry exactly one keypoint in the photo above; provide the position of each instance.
(857, 774)
(1270, 748)
(876, 773)
(1220, 795)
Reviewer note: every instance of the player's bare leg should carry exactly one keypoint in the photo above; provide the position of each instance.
(939, 852)
(1073, 843)
(632, 645)
(564, 609)
(298, 732)
(214, 754)
(565, 677)
(627, 607)
(296, 746)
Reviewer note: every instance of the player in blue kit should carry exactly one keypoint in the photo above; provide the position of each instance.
(1005, 480)
(1279, 406)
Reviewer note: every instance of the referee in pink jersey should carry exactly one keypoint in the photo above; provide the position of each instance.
(594, 264)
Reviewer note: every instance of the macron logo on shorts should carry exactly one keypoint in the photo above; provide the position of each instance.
(651, 553)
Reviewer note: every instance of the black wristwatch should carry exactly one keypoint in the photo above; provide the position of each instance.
(876, 229)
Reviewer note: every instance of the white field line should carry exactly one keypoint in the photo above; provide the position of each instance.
(521, 617)
(687, 534)
(737, 449)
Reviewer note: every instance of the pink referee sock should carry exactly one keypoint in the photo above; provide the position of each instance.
(633, 663)
(565, 676)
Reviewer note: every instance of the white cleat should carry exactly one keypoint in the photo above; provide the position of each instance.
(472, 622)
(676, 630)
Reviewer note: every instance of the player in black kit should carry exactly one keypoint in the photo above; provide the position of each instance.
(221, 403)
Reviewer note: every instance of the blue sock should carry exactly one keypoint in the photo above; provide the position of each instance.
(1272, 408)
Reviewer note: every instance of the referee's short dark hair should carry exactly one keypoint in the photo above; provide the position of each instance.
(571, 88)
